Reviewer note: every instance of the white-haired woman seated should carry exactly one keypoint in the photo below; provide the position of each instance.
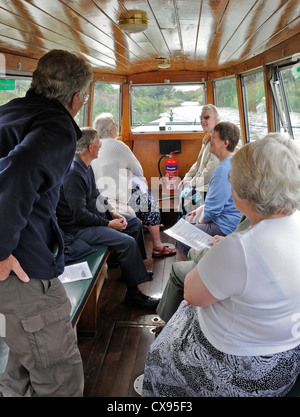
(119, 176)
(238, 332)
(194, 186)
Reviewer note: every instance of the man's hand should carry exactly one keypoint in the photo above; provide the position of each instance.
(12, 264)
(118, 224)
(121, 225)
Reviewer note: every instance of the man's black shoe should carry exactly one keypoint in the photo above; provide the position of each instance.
(150, 274)
(140, 300)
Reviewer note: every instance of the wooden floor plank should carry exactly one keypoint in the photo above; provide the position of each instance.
(116, 355)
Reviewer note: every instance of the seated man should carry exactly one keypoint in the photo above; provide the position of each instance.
(173, 292)
(78, 215)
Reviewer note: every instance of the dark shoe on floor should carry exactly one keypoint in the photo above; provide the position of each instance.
(150, 274)
(140, 300)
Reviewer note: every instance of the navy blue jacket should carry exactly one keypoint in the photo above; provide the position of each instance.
(37, 144)
(77, 204)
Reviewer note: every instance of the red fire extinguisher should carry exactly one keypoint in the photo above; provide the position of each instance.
(171, 172)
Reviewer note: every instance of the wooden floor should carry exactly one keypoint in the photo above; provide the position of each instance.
(115, 356)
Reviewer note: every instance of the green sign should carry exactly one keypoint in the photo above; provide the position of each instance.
(7, 84)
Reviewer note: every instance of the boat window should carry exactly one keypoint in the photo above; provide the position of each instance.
(81, 116)
(166, 107)
(13, 88)
(254, 106)
(107, 99)
(285, 85)
(226, 100)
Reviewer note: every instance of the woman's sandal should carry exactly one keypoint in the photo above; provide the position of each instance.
(165, 251)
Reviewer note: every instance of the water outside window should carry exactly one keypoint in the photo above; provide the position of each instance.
(166, 107)
(226, 100)
(255, 105)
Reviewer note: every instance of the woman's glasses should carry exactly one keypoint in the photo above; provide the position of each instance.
(205, 117)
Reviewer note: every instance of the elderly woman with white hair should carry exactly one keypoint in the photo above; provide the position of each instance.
(237, 332)
(194, 185)
(119, 176)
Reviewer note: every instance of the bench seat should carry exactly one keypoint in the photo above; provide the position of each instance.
(83, 296)
(79, 291)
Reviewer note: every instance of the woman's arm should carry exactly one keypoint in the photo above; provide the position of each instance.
(195, 292)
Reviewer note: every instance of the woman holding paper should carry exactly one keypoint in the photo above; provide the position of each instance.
(218, 215)
(237, 333)
(120, 175)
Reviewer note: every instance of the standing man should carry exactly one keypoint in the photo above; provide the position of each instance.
(38, 140)
(78, 215)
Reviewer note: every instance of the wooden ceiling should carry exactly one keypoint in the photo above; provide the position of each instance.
(196, 35)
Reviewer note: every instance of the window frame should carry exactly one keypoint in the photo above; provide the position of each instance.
(282, 114)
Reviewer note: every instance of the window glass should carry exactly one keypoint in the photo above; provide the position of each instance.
(255, 106)
(226, 100)
(12, 88)
(81, 118)
(166, 107)
(291, 84)
(107, 100)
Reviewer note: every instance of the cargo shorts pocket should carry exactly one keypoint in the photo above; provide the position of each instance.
(50, 335)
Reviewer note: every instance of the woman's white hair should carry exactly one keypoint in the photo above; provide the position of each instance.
(103, 123)
(212, 110)
(267, 173)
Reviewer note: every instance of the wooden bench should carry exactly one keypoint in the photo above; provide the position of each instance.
(83, 296)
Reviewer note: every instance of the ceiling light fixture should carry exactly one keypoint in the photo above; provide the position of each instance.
(134, 21)
(163, 63)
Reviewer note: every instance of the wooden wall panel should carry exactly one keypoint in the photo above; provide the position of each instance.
(147, 152)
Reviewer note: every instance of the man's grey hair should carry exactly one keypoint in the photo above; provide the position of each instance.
(60, 74)
(89, 136)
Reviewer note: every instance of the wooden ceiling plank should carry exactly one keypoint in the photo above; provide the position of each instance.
(282, 35)
(59, 32)
(207, 35)
(53, 40)
(211, 15)
(87, 30)
(261, 23)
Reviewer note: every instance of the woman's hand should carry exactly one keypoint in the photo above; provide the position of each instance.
(217, 239)
(195, 215)
(183, 183)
